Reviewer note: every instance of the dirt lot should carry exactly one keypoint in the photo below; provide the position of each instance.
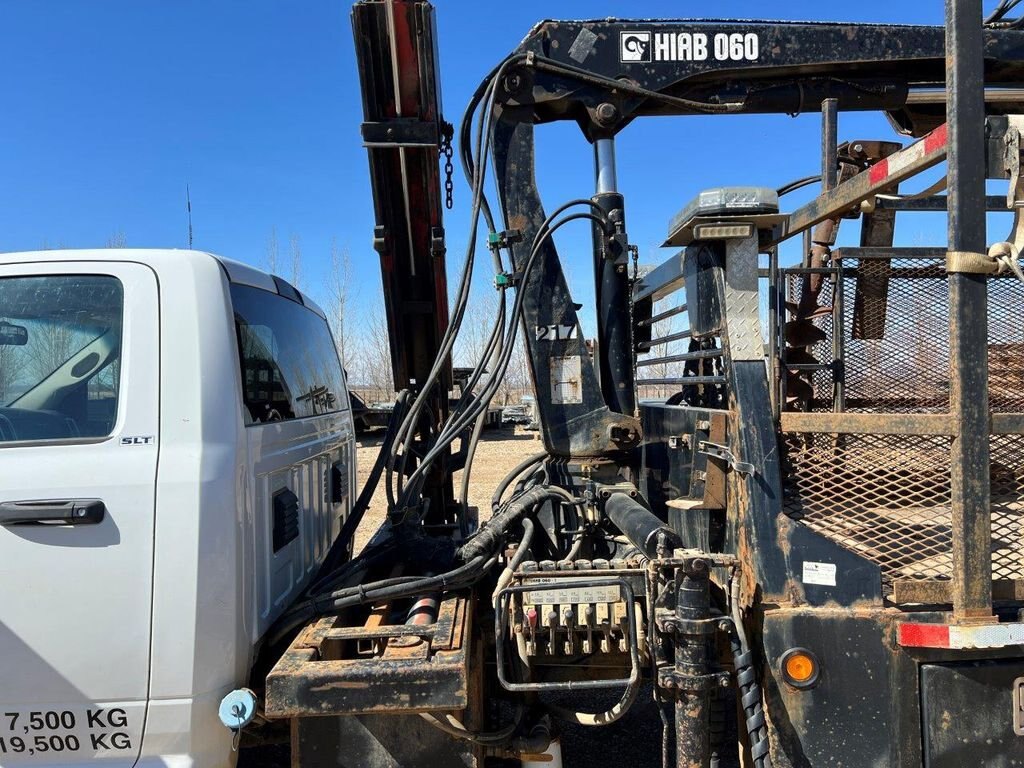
(498, 452)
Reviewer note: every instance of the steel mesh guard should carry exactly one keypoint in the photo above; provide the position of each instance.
(887, 497)
(899, 362)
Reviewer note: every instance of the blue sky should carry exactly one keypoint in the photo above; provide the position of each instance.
(111, 107)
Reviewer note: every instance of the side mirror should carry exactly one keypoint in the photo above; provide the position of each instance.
(12, 335)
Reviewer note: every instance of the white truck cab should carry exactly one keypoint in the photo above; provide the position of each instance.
(176, 456)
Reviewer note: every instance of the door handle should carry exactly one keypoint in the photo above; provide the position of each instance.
(52, 512)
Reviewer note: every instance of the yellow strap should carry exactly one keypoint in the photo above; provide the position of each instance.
(971, 263)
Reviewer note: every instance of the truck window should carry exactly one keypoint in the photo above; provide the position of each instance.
(60, 352)
(289, 364)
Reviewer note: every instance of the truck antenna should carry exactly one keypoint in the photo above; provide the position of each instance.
(188, 208)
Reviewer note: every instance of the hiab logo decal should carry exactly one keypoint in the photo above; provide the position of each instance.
(688, 46)
(634, 46)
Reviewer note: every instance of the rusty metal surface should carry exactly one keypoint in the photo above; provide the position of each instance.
(936, 592)
(868, 423)
(842, 198)
(334, 669)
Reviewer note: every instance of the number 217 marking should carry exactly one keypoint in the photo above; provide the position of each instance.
(555, 332)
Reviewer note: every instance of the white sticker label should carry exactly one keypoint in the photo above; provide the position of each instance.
(569, 595)
(820, 573)
(566, 380)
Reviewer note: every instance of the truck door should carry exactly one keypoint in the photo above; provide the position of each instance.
(79, 364)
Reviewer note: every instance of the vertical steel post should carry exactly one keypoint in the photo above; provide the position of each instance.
(968, 315)
(829, 144)
(773, 328)
(615, 365)
(838, 339)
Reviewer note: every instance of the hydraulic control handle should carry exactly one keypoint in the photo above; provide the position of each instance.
(52, 512)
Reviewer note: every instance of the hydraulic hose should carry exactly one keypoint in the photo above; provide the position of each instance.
(519, 469)
(517, 559)
(452, 726)
(746, 681)
(489, 537)
(599, 718)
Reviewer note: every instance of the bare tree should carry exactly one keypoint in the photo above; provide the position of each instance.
(295, 251)
(272, 251)
(51, 347)
(9, 363)
(117, 240)
(517, 381)
(337, 309)
(471, 344)
(376, 356)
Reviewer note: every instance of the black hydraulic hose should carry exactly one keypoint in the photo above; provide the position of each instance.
(489, 537)
(479, 555)
(793, 186)
(479, 202)
(389, 589)
(1001, 10)
(519, 469)
(642, 527)
(557, 67)
(339, 549)
(455, 425)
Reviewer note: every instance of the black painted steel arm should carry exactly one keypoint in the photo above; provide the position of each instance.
(603, 74)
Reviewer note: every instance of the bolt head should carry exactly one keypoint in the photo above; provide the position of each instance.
(607, 113)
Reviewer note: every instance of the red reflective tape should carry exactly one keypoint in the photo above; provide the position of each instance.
(924, 635)
(879, 171)
(936, 139)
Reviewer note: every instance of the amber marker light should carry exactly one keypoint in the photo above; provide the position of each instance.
(800, 668)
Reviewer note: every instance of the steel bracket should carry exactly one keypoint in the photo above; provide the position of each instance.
(670, 624)
(721, 452)
(401, 132)
(669, 678)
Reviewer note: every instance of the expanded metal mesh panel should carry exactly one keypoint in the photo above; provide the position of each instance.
(887, 498)
(1007, 463)
(895, 346)
(901, 361)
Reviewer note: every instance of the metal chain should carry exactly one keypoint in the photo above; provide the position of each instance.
(449, 169)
